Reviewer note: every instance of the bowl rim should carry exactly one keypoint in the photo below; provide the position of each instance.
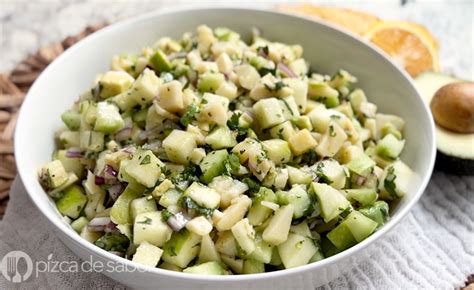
(94, 250)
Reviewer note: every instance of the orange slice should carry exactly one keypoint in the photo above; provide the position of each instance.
(409, 44)
(355, 21)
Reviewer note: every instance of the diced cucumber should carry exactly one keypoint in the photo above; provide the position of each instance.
(361, 165)
(298, 176)
(150, 227)
(203, 195)
(356, 98)
(114, 82)
(296, 251)
(142, 205)
(331, 201)
(364, 196)
(299, 198)
(302, 122)
(342, 237)
(253, 267)
(214, 109)
(170, 197)
(228, 188)
(283, 131)
(301, 229)
(92, 141)
(234, 213)
(289, 107)
(378, 212)
(360, 226)
(226, 243)
(389, 147)
(276, 260)
(323, 93)
(331, 172)
(89, 235)
(302, 142)
(279, 226)
(300, 92)
(277, 150)
(395, 180)
(332, 140)
(145, 88)
(247, 75)
(147, 254)
(259, 213)
(210, 82)
(159, 61)
(53, 175)
(72, 119)
(171, 96)
(95, 196)
(70, 164)
(108, 118)
(144, 167)
(244, 234)
(390, 129)
(263, 250)
(213, 165)
(208, 251)
(225, 34)
(208, 268)
(182, 248)
(120, 212)
(79, 224)
(179, 146)
(221, 137)
(268, 113)
(70, 139)
(236, 265)
(72, 201)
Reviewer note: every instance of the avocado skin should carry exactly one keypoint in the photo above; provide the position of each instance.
(454, 165)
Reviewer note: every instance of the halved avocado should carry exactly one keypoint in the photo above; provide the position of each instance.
(455, 150)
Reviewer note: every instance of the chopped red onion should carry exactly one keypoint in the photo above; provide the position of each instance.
(110, 170)
(178, 221)
(99, 180)
(115, 191)
(286, 70)
(98, 224)
(74, 153)
(129, 150)
(123, 134)
(360, 180)
(110, 227)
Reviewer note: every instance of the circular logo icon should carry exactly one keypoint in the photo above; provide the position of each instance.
(17, 266)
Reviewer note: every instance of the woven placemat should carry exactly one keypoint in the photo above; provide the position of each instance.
(13, 88)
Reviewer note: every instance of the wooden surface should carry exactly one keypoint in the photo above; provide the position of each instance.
(13, 87)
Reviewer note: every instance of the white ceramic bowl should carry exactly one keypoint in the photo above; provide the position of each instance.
(327, 48)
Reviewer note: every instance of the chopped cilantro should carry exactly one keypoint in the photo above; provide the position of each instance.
(331, 131)
(187, 202)
(190, 115)
(166, 214)
(389, 182)
(145, 160)
(146, 221)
